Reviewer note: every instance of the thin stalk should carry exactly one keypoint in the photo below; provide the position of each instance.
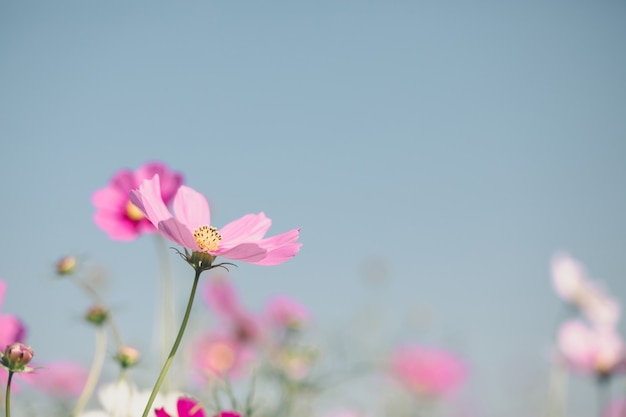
(8, 396)
(94, 372)
(179, 337)
(167, 309)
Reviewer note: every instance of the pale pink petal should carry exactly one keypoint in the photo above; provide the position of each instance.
(221, 297)
(246, 229)
(191, 208)
(189, 408)
(248, 252)
(11, 330)
(280, 248)
(177, 232)
(148, 200)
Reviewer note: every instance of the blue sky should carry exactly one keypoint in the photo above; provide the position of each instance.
(460, 144)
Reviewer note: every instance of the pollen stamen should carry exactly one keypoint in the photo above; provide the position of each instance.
(207, 238)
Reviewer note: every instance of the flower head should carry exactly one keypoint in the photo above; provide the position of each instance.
(592, 350)
(428, 371)
(190, 226)
(283, 313)
(220, 354)
(127, 356)
(16, 356)
(185, 407)
(116, 215)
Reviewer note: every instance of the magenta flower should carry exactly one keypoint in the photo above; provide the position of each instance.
(428, 371)
(186, 407)
(116, 215)
(11, 328)
(190, 226)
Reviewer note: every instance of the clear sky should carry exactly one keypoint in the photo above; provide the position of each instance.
(459, 144)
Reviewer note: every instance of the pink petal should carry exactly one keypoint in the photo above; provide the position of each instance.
(248, 252)
(123, 180)
(110, 199)
(11, 330)
(221, 297)
(160, 412)
(188, 407)
(177, 232)
(191, 208)
(149, 201)
(280, 248)
(118, 227)
(246, 229)
(169, 181)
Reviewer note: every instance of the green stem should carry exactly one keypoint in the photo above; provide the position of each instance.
(94, 372)
(167, 309)
(179, 337)
(8, 397)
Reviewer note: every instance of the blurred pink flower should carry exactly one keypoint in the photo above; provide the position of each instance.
(218, 354)
(616, 408)
(60, 379)
(242, 239)
(186, 407)
(222, 298)
(116, 215)
(283, 313)
(428, 371)
(11, 328)
(594, 350)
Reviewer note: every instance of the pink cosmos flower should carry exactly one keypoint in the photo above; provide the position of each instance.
(190, 226)
(428, 371)
(283, 313)
(219, 354)
(221, 297)
(116, 215)
(594, 350)
(186, 407)
(11, 328)
(60, 379)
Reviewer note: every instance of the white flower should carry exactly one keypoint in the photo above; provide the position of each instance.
(122, 399)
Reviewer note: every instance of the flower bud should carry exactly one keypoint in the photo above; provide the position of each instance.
(127, 356)
(16, 356)
(66, 265)
(97, 315)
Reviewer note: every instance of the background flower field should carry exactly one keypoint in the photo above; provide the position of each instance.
(435, 156)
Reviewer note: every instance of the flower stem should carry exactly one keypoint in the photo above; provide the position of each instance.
(94, 372)
(8, 397)
(179, 337)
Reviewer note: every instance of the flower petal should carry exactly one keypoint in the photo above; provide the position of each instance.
(168, 180)
(177, 232)
(280, 248)
(249, 228)
(161, 413)
(149, 201)
(248, 252)
(191, 208)
(188, 407)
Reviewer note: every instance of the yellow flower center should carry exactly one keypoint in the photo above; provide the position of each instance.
(207, 238)
(221, 357)
(133, 212)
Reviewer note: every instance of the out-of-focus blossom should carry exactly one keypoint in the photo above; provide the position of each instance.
(283, 313)
(571, 282)
(60, 379)
(294, 362)
(116, 215)
(16, 356)
(222, 298)
(616, 408)
(11, 328)
(127, 356)
(185, 407)
(219, 354)
(594, 350)
(122, 399)
(190, 226)
(569, 277)
(428, 371)
(66, 265)
(97, 315)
